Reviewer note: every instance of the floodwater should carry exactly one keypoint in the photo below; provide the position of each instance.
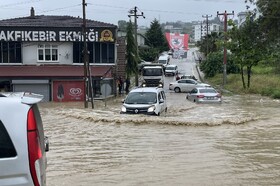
(233, 143)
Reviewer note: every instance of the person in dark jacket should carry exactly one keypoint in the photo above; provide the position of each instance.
(127, 84)
(120, 84)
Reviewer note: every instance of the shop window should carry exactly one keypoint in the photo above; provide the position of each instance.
(104, 53)
(10, 52)
(47, 53)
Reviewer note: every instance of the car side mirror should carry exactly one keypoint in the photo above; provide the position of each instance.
(161, 101)
(123, 100)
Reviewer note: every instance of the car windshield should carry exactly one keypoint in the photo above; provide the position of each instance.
(170, 68)
(207, 91)
(141, 98)
(162, 61)
(152, 72)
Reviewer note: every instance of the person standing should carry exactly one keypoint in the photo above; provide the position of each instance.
(127, 84)
(120, 84)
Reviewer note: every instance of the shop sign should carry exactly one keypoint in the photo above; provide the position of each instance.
(55, 35)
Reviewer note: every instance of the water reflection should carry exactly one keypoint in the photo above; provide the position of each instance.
(103, 147)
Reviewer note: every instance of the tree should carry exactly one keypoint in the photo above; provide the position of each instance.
(131, 56)
(246, 44)
(213, 39)
(269, 17)
(122, 24)
(155, 37)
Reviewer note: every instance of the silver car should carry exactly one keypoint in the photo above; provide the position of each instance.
(23, 145)
(186, 85)
(204, 95)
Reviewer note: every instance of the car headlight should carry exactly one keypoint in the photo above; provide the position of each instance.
(151, 109)
(123, 109)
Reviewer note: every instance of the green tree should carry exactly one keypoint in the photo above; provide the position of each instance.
(131, 56)
(269, 17)
(155, 37)
(214, 64)
(246, 43)
(122, 25)
(212, 41)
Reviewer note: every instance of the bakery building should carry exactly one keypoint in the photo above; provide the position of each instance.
(44, 54)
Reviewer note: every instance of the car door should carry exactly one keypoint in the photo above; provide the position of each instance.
(193, 94)
(190, 84)
(164, 104)
(183, 85)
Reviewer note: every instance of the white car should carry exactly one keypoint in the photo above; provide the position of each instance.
(171, 70)
(186, 85)
(23, 145)
(145, 100)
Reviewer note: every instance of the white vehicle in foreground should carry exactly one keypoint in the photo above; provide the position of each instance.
(145, 100)
(186, 85)
(23, 145)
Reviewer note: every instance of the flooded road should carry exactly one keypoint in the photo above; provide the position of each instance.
(235, 143)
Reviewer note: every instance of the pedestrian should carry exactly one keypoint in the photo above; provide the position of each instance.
(120, 84)
(127, 84)
(177, 77)
(200, 59)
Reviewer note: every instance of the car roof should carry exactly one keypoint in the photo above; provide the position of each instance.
(146, 89)
(171, 65)
(205, 88)
(23, 97)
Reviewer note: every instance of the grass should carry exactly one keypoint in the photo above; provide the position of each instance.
(264, 83)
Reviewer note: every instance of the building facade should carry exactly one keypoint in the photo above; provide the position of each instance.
(44, 54)
(200, 30)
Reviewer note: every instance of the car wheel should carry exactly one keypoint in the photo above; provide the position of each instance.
(177, 90)
(187, 97)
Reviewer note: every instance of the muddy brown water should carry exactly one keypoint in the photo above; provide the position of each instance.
(235, 143)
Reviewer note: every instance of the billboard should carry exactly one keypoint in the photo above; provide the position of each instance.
(178, 43)
(64, 91)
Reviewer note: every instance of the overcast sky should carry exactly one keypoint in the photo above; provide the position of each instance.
(110, 11)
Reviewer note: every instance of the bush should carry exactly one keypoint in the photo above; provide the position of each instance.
(215, 65)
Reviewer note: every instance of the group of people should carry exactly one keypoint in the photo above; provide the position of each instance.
(120, 83)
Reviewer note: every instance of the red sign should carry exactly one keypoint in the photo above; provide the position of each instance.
(64, 91)
(177, 41)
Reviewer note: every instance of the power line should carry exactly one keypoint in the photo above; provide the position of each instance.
(20, 3)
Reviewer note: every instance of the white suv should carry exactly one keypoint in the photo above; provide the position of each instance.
(23, 145)
(145, 100)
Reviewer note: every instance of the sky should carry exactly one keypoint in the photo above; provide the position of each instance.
(111, 11)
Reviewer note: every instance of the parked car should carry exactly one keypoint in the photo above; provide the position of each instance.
(186, 76)
(186, 85)
(204, 95)
(145, 100)
(171, 70)
(23, 145)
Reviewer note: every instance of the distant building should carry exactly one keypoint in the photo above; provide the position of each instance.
(200, 30)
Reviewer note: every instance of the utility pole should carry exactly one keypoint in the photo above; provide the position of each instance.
(134, 12)
(207, 30)
(201, 23)
(225, 14)
(87, 75)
